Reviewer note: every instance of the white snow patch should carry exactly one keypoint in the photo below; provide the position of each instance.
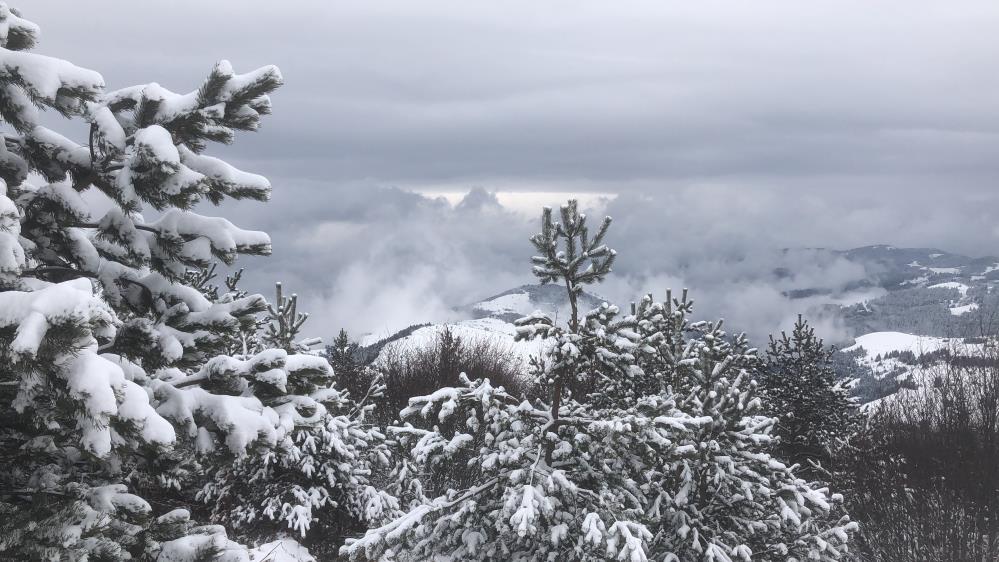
(493, 329)
(519, 303)
(881, 343)
(916, 281)
(282, 550)
(951, 270)
(952, 285)
(959, 310)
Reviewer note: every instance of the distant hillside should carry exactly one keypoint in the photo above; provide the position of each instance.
(491, 318)
(521, 301)
(922, 295)
(929, 292)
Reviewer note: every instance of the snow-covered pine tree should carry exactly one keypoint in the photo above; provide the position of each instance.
(567, 254)
(100, 333)
(506, 502)
(556, 479)
(718, 494)
(352, 373)
(316, 481)
(341, 350)
(815, 414)
(629, 470)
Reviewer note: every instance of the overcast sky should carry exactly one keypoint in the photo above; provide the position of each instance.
(713, 132)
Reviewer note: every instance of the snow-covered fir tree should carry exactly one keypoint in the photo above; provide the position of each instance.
(106, 348)
(647, 444)
(815, 414)
(352, 373)
(720, 494)
(316, 481)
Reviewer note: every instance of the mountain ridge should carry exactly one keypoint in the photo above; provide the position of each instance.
(925, 293)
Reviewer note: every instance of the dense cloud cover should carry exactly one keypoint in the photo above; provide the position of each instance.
(716, 133)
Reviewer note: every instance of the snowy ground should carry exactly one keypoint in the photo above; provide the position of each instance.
(882, 343)
(952, 285)
(516, 303)
(963, 309)
(283, 550)
(878, 345)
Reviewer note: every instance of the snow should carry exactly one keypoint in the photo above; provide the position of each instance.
(239, 83)
(921, 377)
(102, 412)
(518, 303)
(493, 329)
(101, 387)
(115, 496)
(156, 144)
(170, 105)
(35, 312)
(243, 419)
(160, 286)
(42, 77)
(109, 127)
(11, 252)
(916, 280)
(963, 289)
(192, 547)
(58, 147)
(959, 310)
(227, 178)
(881, 343)
(951, 270)
(952, 285)
(282, 550)
(12, 25)
(220, 237)
(96, 383)
(878, 345)
(67, 198)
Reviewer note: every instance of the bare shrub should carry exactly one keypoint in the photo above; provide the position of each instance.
(926, 475)
(418, 371)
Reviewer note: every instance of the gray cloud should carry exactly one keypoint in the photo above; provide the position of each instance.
(727, 131)
(451, 91)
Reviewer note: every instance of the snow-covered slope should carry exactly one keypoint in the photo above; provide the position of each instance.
(883, 343)
(495, 330)
(906, 362)
(281, 550)
(933, 301)
(491, 319)
(521, 301)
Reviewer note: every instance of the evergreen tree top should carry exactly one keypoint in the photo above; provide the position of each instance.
(569, 253)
